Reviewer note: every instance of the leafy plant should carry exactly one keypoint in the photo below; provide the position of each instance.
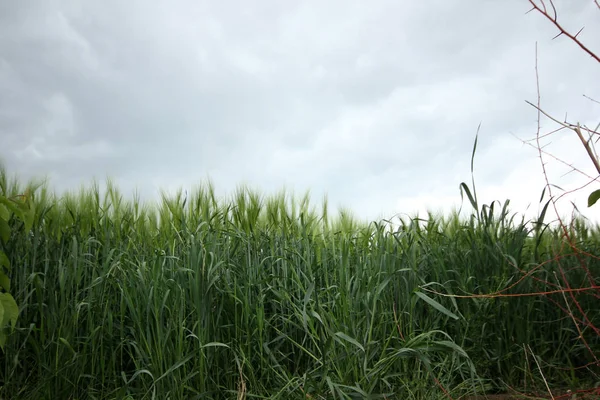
(267, 297)
(11, 209)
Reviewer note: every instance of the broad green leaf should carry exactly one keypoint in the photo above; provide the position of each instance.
(28, 220)
(28, 215)
(4, 230)
(12, 206)
(4, 213)
(594, 196)
(2, 326)
(4, 281)
(24, 205)
(436, 305)
(4, 261)
(10, 310)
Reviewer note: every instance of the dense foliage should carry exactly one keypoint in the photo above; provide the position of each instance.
(254, 297)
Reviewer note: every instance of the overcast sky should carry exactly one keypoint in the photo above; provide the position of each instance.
(375, 104)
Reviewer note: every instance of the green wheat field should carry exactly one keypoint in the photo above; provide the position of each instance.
(253, 297)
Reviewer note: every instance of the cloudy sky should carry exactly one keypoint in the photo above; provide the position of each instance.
(375, 104)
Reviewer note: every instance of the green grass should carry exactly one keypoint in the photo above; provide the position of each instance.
(271, 297)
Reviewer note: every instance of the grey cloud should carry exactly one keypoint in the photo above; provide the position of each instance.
(369, 102)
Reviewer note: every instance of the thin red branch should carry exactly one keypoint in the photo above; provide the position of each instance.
(499, 294)
(597, 179)
(576, 129)
(584, 316)
(554, 19)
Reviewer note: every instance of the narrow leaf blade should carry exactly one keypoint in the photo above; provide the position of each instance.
(348, 339)
(436, 305)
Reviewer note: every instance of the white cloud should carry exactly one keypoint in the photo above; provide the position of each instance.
(375, 104)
